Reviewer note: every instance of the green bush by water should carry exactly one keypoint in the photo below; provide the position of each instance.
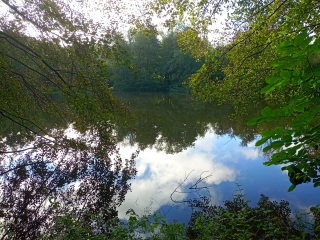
(235, 220)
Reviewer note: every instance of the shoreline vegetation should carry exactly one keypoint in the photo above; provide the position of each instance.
(235, 220)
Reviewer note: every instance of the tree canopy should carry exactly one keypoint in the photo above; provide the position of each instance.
(250, 35)
(153, 65)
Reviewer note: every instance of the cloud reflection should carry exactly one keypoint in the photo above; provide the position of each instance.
(160, 173)
(249, 153)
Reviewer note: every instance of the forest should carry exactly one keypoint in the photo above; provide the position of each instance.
(62, 175)
(154, 66)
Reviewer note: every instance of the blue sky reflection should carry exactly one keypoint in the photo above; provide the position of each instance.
(227, 162)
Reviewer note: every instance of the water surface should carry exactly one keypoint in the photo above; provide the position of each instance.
(183, 142)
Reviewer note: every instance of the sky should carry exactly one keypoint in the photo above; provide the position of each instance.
(117, 15)
(227, 163)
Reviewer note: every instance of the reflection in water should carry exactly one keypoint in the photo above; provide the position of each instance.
(178, 136)
(83, 174)
(228, 163)
(172, 123)
(159, 173)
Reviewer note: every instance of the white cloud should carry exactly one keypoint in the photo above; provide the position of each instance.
(160, 173)
(249, 153)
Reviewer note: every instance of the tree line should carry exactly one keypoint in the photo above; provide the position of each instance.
(153, 64)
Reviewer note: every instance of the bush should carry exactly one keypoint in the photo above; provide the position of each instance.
(235, 220)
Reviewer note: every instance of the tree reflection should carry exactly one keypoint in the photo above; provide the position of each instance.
(172, 123)
(74, 176)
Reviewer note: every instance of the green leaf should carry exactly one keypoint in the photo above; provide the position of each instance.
(254, 121)
(285, 74)
(317, 42)
(267, 89)
(291, 188)
(298, 125)
(289, 50)
(278, 131)
(317, 184)
(277, 144)
(262, 141)
(316, 72)
(268, 133)
(300, 38)
(266, 149)
(266, 112)
(299, 108)
(312, 173)
(297, 55)
(268, 163)
(292, 151)
(274, 145)
(306, 42)
(283, 45)
(287, 139)
(273, 80)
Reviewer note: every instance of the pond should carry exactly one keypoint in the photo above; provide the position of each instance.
(191, 149)
(187, 150)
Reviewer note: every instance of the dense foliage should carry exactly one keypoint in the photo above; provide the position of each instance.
(237, 220)
(297, 145)
(249, 34)
(153, 65)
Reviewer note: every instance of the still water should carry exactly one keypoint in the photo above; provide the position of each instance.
(183, 143)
